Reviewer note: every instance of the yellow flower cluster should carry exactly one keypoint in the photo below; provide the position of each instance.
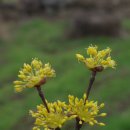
(32, 75)
(60, 112)
(53, 119)
(85, 110)
(97, 59)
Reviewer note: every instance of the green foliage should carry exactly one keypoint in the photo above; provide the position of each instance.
(126, 24)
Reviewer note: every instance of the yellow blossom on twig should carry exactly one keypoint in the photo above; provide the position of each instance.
(33, 74)
(86, 111)
(97, 60)
(53, 119)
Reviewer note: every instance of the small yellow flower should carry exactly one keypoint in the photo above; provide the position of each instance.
(80, 57)
(86, 111)
(90, 62)
(36, 128)
(92, 50)
(33, 74)
(97, 60)
(53, 119)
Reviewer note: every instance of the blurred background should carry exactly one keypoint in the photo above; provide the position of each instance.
(54, 31)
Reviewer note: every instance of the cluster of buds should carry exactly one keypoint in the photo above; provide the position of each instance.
(97, 60)
(52, 116)
(33, 75)
(86, 111)
(53, 119)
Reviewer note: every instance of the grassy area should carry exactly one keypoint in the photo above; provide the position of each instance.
(126, 24)
(43, 39)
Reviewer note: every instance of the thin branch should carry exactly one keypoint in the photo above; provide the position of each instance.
(41, 94)
(78, 126)
(57, 129)
(92, 79)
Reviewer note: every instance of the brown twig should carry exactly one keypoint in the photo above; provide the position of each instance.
(57, 129)
(92, 79)
(78, 126)
(41, 94)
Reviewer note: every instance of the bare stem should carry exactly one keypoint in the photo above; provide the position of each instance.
(78, 126)
(57, 129)
(41, 94)
(92, 79)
